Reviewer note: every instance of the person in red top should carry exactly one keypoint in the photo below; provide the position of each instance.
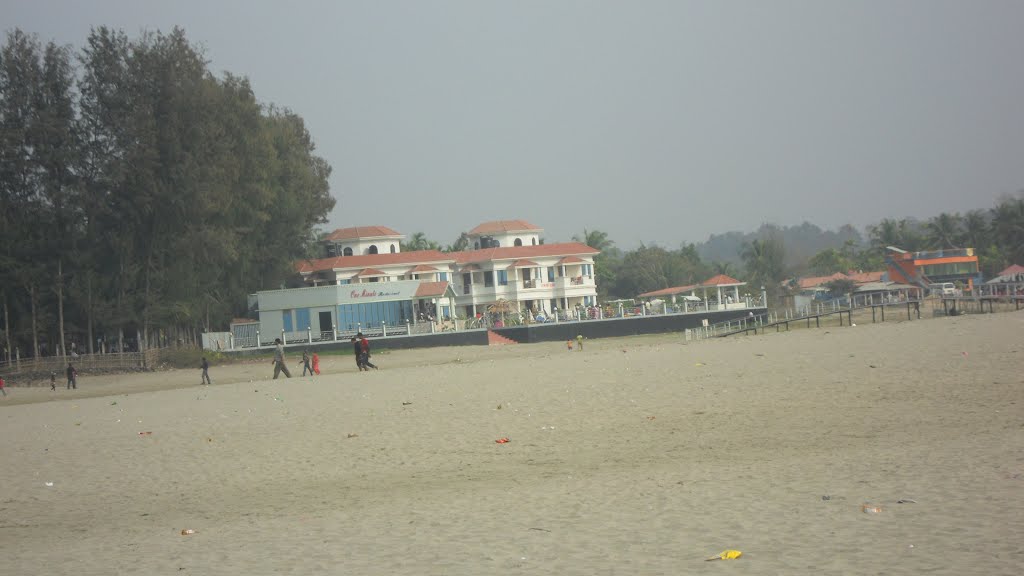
(2, 389)
(364, 345)
(316, 363)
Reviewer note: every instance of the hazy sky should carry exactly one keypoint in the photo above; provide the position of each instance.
(657, 122)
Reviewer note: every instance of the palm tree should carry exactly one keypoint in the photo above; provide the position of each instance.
(724, 268)
(460, 244)
(976, 229)
(943, 231)
(1008, 228)
(764, 259)
(885, 233)
(595, 239)
(419, 241)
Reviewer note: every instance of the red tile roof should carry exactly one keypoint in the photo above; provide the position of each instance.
(428, 289)
(422, 268)
(815, 281)
(469, 268)
(572, 260)
(371, 272)
(500, 226)
(1014, 269)
(361, 232)
(524, 264)
(509, 252)
(668, 291)
(865, 277)
(722, 280)
(369, 260)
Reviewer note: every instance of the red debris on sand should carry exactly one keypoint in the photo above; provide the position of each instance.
(502, 440)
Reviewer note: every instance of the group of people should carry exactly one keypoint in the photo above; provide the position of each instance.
(361, 349)
(72, 380)
(579, 343)
(72, 375)
(311, 363)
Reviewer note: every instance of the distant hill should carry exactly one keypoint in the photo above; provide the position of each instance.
(800, 242)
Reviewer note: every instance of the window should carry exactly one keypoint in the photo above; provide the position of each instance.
(534, 241)
(302, 319)
(392, 248)
(442, 276)
(518, 242)
(951, 268)
(373, 249)
(488, 279)
(286, 320)
(347, 251)
(551, 273)
(503, 277)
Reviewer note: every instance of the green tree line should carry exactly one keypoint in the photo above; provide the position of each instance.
(142, 196)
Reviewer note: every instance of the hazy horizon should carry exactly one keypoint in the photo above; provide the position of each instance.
(656, 122)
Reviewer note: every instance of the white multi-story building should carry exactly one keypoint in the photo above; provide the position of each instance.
(508, 263)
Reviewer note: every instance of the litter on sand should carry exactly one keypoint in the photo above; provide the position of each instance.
(502, 440)
(867, 509)
(726, 555)
(147, 433)
(188, 532)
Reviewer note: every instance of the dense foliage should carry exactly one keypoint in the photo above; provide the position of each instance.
(139, 193)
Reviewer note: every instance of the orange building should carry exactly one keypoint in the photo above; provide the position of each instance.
(924, 269)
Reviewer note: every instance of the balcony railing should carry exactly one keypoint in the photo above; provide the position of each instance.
(530, 283)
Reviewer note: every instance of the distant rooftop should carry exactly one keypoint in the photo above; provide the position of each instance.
(356, 232)
(504, 226)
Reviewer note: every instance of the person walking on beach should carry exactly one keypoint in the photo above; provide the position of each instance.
(53, 380)
(357, 351)
(305, 363)
(2, 389)
(364, 346)
(72, 377)
(206, 375)
(279, 365)
(579, 342)
(316, 363)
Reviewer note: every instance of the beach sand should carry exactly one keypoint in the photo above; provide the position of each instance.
(641, 455)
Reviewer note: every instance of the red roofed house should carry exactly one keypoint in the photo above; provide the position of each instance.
(509, 263)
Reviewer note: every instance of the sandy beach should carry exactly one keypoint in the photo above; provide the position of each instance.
(636, 456)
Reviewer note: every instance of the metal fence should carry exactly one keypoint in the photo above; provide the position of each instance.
(84, 363)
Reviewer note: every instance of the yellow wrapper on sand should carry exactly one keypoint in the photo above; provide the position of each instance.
(727, 555)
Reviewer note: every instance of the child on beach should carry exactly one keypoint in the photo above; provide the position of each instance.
(2, 389)
(316, 363)
(206, 375)
(305, 363)
(53, 380)
(568, 344)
